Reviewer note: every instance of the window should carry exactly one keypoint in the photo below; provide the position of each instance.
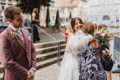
(53, 17)
(106, 17)
(52, 4)
(3, 7)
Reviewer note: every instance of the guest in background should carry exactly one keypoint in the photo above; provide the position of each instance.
(67, 31)
(90, 66)
(106, 35)
(26, 23)
(95, 26)
(105, 32)
(99, 31)
(35, 21)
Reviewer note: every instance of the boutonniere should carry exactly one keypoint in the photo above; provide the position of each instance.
(13, 35)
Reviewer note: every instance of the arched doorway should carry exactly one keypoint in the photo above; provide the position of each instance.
(106, 20)
(106, 17)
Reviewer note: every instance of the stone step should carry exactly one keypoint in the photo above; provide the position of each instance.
(41, 57)
(47, 44)
(1, 76)
(48, 55)
(1, 69)
(48, 49)
(47, 62)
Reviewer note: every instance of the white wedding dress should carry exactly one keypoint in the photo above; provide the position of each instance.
(69, 69)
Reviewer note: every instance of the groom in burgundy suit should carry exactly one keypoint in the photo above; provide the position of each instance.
(17, 53)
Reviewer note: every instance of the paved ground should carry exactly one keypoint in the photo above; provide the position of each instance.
(48, 73)
(51, 72)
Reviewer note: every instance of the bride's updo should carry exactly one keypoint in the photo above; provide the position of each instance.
(88, 28)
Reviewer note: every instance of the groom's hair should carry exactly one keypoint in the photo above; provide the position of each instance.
(11, 11)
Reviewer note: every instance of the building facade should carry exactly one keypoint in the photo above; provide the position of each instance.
(77, 8)
(3, 5)
(68, 7)
(82, 10)
(52, 9)
(104, 12)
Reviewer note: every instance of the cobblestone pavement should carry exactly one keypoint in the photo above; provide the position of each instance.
(51, 72)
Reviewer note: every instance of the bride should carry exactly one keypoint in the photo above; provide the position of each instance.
(73, 28)
(69, 69)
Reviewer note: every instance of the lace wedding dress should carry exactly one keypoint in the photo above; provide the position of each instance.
(69, 69)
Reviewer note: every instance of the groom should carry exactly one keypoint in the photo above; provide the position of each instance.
(17, 53)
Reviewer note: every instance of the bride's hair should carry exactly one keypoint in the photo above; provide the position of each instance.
(73, 20)
(88, 27)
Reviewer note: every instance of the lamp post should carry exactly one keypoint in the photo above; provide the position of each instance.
(58, 10)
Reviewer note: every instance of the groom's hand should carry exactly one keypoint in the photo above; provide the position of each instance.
(31, 74)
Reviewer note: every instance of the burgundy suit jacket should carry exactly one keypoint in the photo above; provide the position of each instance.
(16, 57)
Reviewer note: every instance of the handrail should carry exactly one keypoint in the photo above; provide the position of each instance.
(58, 43)
(43, 43)
(45, 32)
(58, 54)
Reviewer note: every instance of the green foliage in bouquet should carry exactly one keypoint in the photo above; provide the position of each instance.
(102, 40)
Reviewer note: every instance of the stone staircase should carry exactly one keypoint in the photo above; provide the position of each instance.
(46, 54)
